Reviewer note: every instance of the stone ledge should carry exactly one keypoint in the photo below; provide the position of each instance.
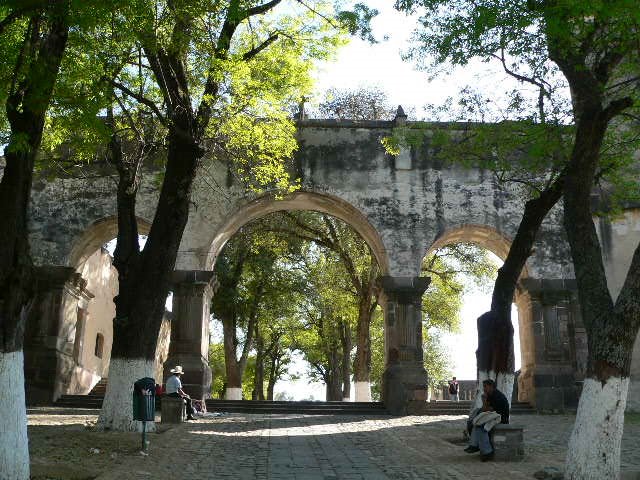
(508, 442)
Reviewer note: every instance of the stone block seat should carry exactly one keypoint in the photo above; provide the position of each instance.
(173, 410)
(508, 442)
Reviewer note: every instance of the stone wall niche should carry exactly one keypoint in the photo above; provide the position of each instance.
(189, 345)
(404, 382)
(553, 344)
(50, 356)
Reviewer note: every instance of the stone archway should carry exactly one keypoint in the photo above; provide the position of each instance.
(303, 200)
(96, 235)
(404, 381)
(490, 239)
(552, 339)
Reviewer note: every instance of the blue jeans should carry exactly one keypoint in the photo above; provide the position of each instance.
(480, 438)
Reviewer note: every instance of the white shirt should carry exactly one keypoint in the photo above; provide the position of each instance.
(173, 384)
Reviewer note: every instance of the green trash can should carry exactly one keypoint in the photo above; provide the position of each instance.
(144, 400)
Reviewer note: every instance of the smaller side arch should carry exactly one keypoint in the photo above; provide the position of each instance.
(481, 235)
(303, 200)
(96, 235)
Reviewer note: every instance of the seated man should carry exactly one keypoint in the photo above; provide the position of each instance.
(174, 389)
(493, 400)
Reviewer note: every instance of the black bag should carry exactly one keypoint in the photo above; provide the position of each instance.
(453, 388)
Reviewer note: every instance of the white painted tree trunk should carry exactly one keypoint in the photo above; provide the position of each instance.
(117, 408)
(362, 391)
(482, 375)
(14, 446)
(504, 383)
(594, 446)
(233, 393)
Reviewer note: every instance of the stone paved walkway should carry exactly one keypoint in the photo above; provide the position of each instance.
(295, 447)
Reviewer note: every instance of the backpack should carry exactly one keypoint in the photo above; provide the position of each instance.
(453, 388)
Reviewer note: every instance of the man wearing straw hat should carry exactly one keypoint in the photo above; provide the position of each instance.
(174, 389)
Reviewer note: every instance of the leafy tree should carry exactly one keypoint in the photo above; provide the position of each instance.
(216, 363)
(442, 301)
(256, 299)
(33, 39)
(591, 47)
(223, 72)
(329, 315)
(359, 268)
(364, 103)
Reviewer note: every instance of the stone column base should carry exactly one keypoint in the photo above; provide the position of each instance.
(197, 377)
(404, 390)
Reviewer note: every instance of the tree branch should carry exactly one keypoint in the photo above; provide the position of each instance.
(256, 50)
(142, 99)
(12, 17)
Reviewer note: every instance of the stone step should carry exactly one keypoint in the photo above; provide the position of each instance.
(99, 388)
(320, 408)
(307, 407)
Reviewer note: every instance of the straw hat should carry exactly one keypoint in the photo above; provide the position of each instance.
(177, 369)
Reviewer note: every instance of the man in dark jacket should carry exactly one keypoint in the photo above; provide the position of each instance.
(493, 400)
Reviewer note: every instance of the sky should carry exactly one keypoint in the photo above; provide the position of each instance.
(381, 64)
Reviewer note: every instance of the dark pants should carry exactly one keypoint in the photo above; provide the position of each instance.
(187, 400)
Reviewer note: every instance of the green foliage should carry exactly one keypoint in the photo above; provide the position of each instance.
(216, 363)
(524, 133)
(449, 268)
(437, 360)
(310, 270)
(358, 21)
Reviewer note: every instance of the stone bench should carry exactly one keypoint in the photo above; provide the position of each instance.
(173, 410)
(508, 442)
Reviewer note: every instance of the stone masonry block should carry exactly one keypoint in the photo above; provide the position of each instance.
(173, 410)
(508, 442)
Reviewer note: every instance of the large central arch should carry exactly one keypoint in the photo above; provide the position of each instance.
(303, 200)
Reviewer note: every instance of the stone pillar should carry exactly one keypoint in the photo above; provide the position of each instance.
(404, 380)
(49, 347)
(189, 344)
(554, 344)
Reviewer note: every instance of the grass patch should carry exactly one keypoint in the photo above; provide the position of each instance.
(632, 418)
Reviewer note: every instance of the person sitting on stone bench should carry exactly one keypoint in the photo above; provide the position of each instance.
(174, 389)
(493, 400)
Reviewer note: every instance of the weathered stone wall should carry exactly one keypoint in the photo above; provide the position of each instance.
(402, 206)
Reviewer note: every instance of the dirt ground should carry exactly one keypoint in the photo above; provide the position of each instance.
(68, 447)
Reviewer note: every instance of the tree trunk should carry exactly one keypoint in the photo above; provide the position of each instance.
(362, 361)
(14, 445)
(233, 389)
(334, 377)
(258, 379)
(346, 341)
(44, 45)
(145, 278)
(495, 355)
(273, 376)
(594, 446)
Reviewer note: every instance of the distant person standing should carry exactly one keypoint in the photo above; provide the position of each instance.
(454, 388)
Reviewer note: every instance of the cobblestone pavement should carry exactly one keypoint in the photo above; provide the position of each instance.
(298, 447)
